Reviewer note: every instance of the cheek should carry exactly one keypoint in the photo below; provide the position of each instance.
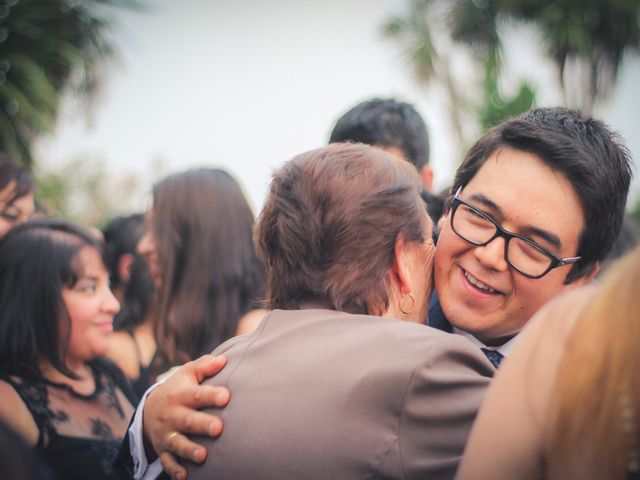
(534, 294)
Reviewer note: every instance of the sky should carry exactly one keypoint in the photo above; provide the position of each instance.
(245, 85)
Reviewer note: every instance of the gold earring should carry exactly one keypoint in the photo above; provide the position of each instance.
(407, 311)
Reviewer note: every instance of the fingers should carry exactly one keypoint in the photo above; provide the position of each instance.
(206, 366)
(200, 396)
(187, 421)
(178, 444)
(172, 467)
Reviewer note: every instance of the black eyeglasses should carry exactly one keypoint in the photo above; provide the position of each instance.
(522, 253)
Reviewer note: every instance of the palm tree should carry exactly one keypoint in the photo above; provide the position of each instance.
(48, 47)
(428, 56)
(428, 32)
(587, 41)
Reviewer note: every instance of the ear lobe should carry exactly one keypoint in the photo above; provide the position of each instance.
(584, 280)
(400, 276)
(592, 274)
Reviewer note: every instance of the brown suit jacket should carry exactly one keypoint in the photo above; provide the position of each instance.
(320, 394)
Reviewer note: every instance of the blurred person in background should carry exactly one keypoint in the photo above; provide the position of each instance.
(56, 318)
(202, 261)
(16, 194)
(397, 128)
(567, 403)
(133, 343)
(627, 240)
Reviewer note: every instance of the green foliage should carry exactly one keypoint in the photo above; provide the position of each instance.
(497, 106)
(413, 30)
(425, 33)
(635, 213)
(48, 47)
(594, 33)
(586, 39)
(84, 191)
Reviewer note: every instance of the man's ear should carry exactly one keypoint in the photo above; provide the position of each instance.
(586, 278)
(400, 276)
(426, 173)
(124, 267)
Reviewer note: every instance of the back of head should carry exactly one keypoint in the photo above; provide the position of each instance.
(385, 123)
(37, 260)
(582, 149)
(121, 236)
(597, 390)
(12, 172)
(329, 225)
(210, 272)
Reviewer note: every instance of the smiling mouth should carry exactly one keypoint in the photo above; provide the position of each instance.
(106, 326)
(479, 285)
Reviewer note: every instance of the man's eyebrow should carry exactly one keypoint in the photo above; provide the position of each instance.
(486, 202)
(527, 230)
(548, 236)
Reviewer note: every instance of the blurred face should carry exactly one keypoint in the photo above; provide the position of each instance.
(478, 291)
(91, 307)
(147, 248)
(18, 211)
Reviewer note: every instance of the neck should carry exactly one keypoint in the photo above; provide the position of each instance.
(80, 369)
(85, 384)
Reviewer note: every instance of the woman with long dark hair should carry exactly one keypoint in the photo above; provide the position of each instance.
(199, 248)
(56, 318)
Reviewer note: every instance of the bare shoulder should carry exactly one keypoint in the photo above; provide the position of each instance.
(122, 351)
(16, 415)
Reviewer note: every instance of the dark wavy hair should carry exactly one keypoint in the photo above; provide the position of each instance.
(121, 236)
(37, 260)
(586, 152)
(211, 275)
(329, 225)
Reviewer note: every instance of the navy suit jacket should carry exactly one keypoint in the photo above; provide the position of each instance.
(436, 315)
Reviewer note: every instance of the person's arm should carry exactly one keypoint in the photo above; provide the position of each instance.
(441, 403)
(506, 439)
(16, 415)
(170, 412)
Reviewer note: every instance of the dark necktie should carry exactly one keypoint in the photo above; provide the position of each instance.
(494, 356)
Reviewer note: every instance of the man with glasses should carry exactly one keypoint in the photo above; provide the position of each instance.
(538, 202)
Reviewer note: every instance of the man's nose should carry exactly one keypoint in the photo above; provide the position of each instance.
(492, 255)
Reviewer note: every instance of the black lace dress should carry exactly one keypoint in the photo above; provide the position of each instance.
(79, 434)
